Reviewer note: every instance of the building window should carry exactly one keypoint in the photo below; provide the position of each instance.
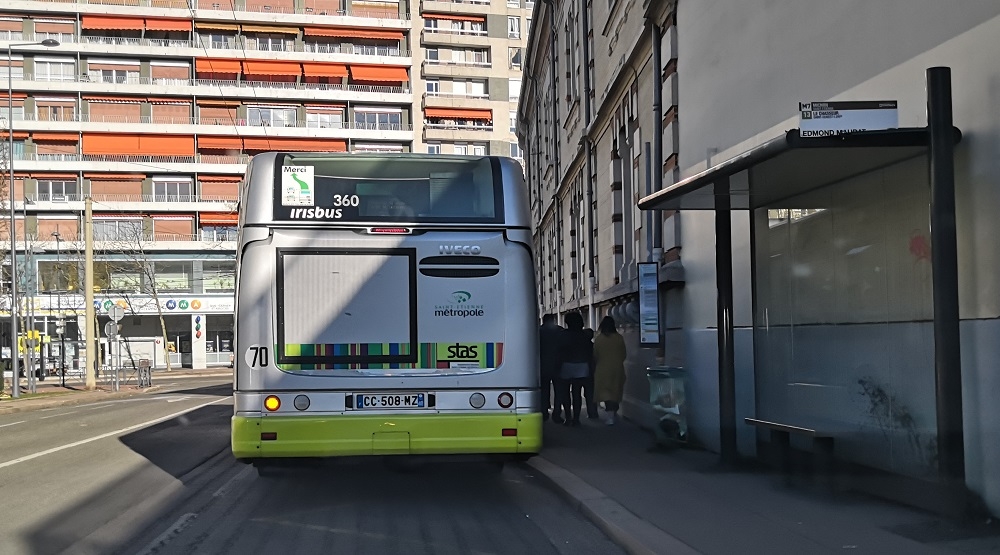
(53, 70)
(515, 151)
(119, 76)
(478, 27)
(461, 149)
(513, 27)
(117, 230)
(65, 112)
(58, 190)
(272, 116)
(430, 23)
(432, 54)
(16, 72)
(378, 120)
(513, 121)
(219, 276)
(479, 150)
(514, 55)
(217, 41)
(513, 3)
(120, 276)
(272, 43)
(172, 190)
(58, 276)
(174, 276)
(514, 87)
(433, 148)
(325, 120)
(218, 233)
(433, 86)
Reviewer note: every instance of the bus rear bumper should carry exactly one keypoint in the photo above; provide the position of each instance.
(256, 437)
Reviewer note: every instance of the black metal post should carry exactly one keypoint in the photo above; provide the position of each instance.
(727, 353)
(944, 267)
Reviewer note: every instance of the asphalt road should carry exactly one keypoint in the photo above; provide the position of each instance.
(153, 474)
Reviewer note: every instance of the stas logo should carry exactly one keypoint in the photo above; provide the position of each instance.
(463, 352)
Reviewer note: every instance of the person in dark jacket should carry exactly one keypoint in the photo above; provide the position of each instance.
(576, 360)
(549, 336)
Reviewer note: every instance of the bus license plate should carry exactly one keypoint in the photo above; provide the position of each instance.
(390, 401)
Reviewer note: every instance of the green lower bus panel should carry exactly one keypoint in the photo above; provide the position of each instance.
(340, 435)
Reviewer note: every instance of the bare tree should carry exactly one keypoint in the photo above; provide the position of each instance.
(134, 271)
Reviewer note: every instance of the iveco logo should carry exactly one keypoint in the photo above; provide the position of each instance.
(460, 249)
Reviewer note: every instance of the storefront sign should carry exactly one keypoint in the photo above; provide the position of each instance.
(825, 119)
(649, 305)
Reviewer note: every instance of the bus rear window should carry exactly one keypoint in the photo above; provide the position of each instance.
(359, 188)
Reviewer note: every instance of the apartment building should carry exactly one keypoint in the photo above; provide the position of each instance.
(804, 280)
(152, 108)
(597, 119)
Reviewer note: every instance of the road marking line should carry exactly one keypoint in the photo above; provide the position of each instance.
(107, 435)
(229, 484)
(175, 400)
(60, 414)
(176, 528)
(13, 423)
(105, 405)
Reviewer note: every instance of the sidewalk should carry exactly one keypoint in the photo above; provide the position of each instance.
(52, 394)
(683, 501)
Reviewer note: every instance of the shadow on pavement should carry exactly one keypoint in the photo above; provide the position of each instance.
(174, 447)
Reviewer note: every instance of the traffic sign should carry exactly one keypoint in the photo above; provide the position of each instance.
(110, 330)
(116, 313)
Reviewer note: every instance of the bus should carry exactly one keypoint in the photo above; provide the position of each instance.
(385, 305)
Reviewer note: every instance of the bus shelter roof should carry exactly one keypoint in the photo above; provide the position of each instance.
(789, 165)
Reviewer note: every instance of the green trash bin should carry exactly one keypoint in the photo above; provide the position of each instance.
(668, 397)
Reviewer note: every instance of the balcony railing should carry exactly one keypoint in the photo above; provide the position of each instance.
(125, 197)
(215, 83)
(456, 127)
(472, 63)
(439, 94)
(226, 6)
(240, 43)
(135, 158)
(450, 31)
(237, 122)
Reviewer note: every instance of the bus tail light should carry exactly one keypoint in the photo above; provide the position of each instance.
(508, 432)
(505, 400)
(477, 400)
(272, 403)
(301, 402)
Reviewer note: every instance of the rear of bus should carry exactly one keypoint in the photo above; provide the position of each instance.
(385, 306)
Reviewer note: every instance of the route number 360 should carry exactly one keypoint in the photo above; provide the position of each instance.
(256, 356)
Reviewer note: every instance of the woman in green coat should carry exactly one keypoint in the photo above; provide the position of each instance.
(609, 374)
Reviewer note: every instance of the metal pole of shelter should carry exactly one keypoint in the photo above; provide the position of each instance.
(724, 312)
(944, 267)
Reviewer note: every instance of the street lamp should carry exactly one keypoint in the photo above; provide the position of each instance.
(48, 43)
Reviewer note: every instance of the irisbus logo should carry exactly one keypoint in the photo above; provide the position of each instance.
(460, 249)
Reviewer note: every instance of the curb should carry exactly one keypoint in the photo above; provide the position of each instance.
(632, 533)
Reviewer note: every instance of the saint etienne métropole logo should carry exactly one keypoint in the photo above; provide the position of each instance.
(459, 305)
